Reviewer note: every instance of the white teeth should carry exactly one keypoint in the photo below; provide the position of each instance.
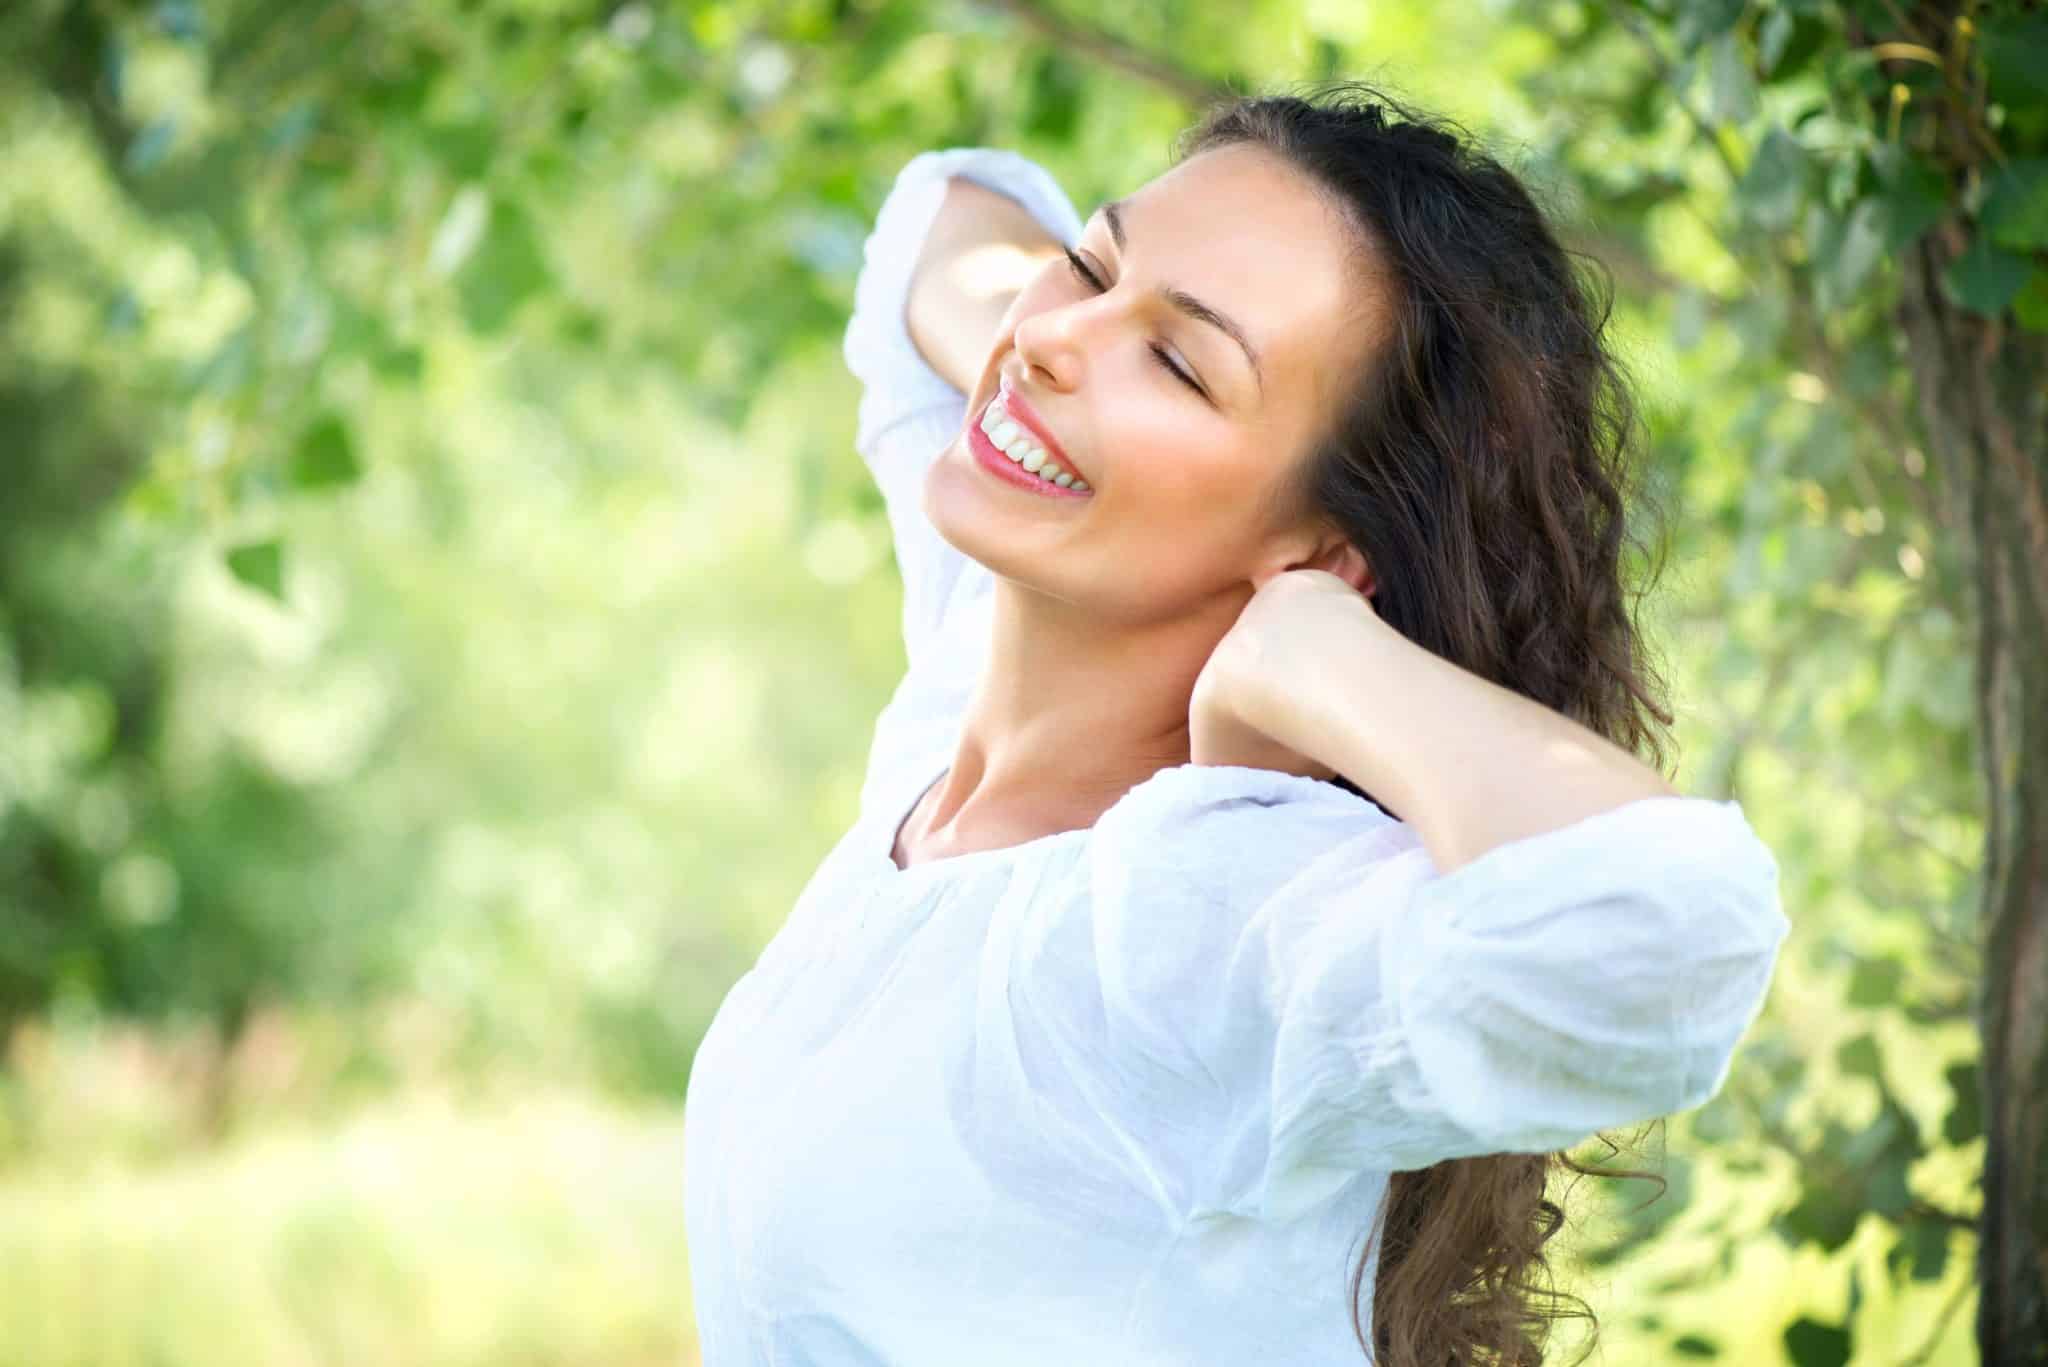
(1014, 442)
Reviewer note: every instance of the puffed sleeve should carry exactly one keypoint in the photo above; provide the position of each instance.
(1314, 999)
(908, 413)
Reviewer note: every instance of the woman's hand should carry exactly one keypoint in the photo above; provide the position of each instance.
(1246, 708)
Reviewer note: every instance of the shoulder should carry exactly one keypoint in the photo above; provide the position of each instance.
(1232, 837)
(1203, 800)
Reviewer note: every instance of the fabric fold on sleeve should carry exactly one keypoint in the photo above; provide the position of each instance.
(1337, 1005)
(1594, 976)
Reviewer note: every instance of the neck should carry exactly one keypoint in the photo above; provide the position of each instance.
(1073, 711)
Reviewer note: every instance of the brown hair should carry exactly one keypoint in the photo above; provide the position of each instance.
(1483, 463)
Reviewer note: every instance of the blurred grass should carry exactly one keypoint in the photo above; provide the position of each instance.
(425, 1229)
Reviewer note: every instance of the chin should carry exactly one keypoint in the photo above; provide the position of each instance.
(979, 518)
(958, 502)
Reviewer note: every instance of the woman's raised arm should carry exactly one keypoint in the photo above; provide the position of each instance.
(983, 248)
(961, 222)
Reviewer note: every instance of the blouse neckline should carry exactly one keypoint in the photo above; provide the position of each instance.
(885, 855)
(1236, 779)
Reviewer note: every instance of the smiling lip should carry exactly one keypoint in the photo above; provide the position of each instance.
(1008, 471)
(1027, 418)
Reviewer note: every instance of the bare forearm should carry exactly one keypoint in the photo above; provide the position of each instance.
(1469, 764)
(983, 248)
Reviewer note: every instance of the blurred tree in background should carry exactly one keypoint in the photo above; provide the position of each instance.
(1880, 192)
(441, 615)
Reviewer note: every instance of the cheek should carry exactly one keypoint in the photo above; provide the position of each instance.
(1193, 501)
(1180, 459)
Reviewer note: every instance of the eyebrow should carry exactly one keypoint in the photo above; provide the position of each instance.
(1112, 210)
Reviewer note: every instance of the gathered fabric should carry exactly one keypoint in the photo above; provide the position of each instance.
(1132, 1094)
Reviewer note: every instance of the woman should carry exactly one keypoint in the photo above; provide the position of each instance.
(1254, 888)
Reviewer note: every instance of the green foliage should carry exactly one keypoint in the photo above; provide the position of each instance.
(430, 517)
(1809, 1343)
(325, 456)
(260, 565)
(1820, 156)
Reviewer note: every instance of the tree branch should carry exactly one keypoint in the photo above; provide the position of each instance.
(1099, 45)
(1948, 1312)
(1927, 1210)
(1667, 70)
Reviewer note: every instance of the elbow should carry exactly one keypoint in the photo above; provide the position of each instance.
(1721, 1000)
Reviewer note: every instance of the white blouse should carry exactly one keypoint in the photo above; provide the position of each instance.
(1132, 1094)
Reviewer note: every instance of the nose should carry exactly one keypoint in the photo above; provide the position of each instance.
(1053, 342)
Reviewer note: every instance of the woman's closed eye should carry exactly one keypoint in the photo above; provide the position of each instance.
(1159, 353)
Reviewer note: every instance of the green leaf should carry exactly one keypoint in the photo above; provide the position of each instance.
(1844, 251)
(228, 368)
(1695, 1346)
(181, 19)
(464, 148)
(260, 565)
(2016, 208)
(2030, 306)
(507, 268)
(1823, 1216)
(1875, 982)
(1792, 42)
(398, 92)
(1688, 317)
(404, 363)
(1731, 85)
(2016, 58)
(325, 455)
(292, 128)
(1886, 1192)
(1965, 1119)
(1772, 37)
(123, 313)
(1777, 183)
(1057, 94)
(1987, 278)
(1701, 21)
(1922, 1245)
(1912, 195)
(1809, 1343)
(1859, 1057)
(149, 147)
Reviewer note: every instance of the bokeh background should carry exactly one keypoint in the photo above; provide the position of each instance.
(442, 614)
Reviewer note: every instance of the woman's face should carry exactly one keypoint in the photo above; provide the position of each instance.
(1184, 382)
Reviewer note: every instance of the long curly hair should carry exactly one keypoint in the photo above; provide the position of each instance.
(1485, 462)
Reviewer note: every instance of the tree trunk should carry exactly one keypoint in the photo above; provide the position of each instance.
(1983, 394)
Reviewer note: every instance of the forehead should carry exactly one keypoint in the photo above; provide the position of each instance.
(1256, 239)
